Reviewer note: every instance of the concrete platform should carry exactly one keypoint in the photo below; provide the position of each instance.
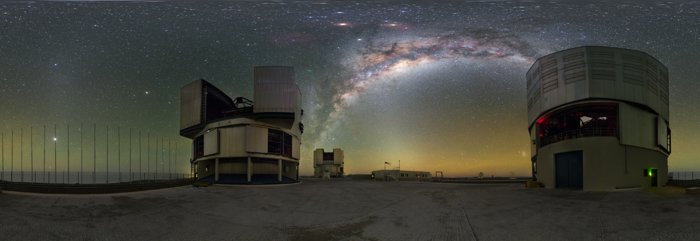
(352, 210)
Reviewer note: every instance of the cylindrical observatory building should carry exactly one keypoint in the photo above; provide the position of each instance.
(599, 119)
(239, 141)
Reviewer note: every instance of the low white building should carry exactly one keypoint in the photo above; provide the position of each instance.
(243, 141)
(329, 164)
(400, 175)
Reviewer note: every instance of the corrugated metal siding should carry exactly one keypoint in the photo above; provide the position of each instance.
(596, 72)
(191, 104)
(275, 89)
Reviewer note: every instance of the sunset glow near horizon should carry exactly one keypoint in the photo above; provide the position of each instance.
(439, 86)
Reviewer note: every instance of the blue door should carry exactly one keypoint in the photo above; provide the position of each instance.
(568, 168)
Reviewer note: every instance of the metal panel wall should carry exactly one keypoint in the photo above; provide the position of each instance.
(596, 72)
(318, 156)
(637, 127)
(275, 89)
(233, 141)
(211, 142)
(662, 133)
(191, 104)
(256, 139)
(296, 147)
(338, 156)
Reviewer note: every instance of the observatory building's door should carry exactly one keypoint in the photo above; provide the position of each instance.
(654, 177)
(569, 169)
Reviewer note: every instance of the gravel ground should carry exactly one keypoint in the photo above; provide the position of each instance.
(353, 210)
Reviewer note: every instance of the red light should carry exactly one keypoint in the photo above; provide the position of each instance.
(541, 120)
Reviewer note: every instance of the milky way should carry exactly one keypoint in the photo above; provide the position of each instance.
(382, 58)
(438, 85)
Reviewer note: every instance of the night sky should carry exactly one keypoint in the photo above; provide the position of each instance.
(439, 86)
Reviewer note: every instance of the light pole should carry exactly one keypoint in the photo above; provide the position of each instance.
(385, 177)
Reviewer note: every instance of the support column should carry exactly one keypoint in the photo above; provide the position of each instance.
(279, 170)
(216, 169)
(250, 170)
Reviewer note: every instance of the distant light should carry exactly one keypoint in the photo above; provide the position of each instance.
(55, 139)
(342, 24)
(147, 92)
(359, 39)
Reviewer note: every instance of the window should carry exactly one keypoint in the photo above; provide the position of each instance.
(328, 156)
(596, 119)
(199, 147)
(279, 142)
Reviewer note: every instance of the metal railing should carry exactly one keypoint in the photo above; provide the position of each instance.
(577, 133)
(685, 175)
(93, 155)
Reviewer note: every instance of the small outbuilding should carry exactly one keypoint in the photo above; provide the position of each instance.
(400, 175)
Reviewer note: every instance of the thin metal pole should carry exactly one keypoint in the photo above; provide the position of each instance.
(2, 139)
(55, 172)
(131, 173)
(80, 176)
(67, 153)
(31, 152)
(45, 179)
(170, 159)
(94, 153)
(21, 154)
(12, 157)
(140, 162)
(119, 154)
(148, 152)
(155, 173)
(107, 173)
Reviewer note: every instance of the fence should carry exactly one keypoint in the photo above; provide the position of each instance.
(684, 175)
(93, 156)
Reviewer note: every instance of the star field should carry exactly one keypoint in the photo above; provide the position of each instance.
(439, 86)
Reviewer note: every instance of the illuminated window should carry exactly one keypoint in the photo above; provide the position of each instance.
(595, 119)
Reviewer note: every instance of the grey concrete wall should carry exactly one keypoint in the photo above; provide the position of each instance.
(607, 165)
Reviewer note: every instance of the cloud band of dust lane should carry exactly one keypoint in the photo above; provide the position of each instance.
(382, 59)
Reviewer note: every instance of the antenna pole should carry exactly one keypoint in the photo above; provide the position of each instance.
(94, 152)
(119, 154)
(31, 152)
(80, 176)
(130, 171)
(107, 168)
(21, 154)
(67, 152)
